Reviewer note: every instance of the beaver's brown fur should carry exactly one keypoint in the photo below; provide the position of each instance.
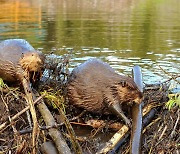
(95, 86)
(17, 56)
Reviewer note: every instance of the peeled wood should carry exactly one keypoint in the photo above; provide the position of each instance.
(118, 138)
(29, 96)
(48, 148)
(136, 131)
(114, 140)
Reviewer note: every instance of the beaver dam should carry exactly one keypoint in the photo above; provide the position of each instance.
(82, 131)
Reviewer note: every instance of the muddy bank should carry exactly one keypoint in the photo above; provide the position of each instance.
(160, 134)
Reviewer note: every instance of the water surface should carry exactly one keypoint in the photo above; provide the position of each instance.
(123, 33)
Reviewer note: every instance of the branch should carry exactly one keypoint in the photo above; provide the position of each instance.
(3, 125)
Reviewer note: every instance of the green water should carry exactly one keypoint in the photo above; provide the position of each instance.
(121, 32)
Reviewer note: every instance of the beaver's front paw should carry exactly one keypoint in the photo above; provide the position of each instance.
(128, 123)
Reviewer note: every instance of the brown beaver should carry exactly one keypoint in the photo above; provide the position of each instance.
(19, 61)
(96, 87)
(17, 55)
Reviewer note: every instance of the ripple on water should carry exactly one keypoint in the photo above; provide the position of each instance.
(125, 51)
(117, 59)
(175, 50)
(147, 61)
(163, 63)
(85, 48)
(176, 59)
(167, 58)
(123, 65)
(159, 55)
(150, 53)
(82, 59)
(170, 55)
(134, 58)
(69, 49)
(94, 51)
(108, 51)
(78, 53)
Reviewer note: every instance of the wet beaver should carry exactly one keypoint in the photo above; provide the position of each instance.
(96, 87)
(17, 55)
(20, 62)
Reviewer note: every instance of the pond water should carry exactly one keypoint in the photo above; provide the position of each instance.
(123, 33)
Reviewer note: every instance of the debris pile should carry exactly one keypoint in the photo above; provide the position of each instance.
(83, 132)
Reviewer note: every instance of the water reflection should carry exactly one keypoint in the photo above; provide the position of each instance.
(122, 32)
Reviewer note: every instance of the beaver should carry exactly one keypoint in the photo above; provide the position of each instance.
(20, 62)
(96, 87)
(17, 55)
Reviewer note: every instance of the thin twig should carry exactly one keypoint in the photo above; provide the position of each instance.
(7, 109)
(97, 130)
(164, 130)
(70, 130)
(172, 77)
(152, 123)
(29, 95)
(29, 130)
(55, 134)
(172, 133)
(3, 125)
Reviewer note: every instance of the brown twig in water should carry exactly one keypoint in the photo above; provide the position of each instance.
(172, 77)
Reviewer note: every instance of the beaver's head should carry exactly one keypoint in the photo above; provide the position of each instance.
(33, 64)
